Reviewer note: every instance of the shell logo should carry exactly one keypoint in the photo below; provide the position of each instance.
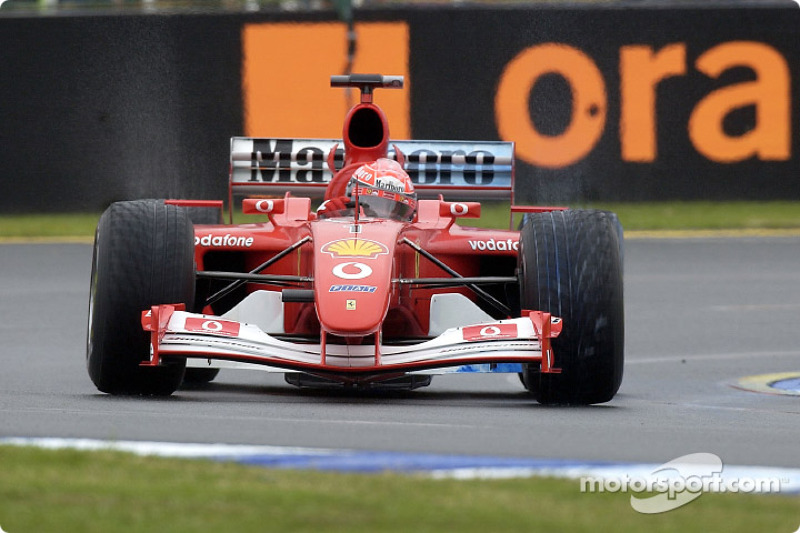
(355, 248)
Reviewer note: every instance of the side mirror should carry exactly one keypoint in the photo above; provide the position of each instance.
(255, 206)
(460, 209)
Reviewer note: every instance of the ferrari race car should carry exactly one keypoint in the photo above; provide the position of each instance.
(378, 287)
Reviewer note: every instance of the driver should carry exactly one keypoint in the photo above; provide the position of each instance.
(384, 191)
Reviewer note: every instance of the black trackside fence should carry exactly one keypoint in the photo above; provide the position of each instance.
(603, 103)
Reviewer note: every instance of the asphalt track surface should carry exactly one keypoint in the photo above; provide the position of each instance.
(700, 314)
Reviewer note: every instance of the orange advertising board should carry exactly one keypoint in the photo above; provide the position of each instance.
(289, 94)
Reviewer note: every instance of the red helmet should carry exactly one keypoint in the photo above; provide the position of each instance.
(384, 190)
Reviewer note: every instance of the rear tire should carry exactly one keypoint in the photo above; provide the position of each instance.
(569, 265)
(143, 256)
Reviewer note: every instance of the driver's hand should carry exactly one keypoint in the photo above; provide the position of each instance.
(334, 205)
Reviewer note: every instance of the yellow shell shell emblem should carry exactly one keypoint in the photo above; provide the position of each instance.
(355, 248)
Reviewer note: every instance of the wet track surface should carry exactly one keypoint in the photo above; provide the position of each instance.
(700, 315)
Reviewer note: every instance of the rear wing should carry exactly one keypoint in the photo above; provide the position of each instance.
(456, 169)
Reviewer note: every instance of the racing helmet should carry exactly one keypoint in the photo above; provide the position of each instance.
(384, 190)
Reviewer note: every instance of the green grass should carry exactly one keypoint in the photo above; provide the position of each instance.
(634, 217)
(51, 225)
(655, 216)
(66, 491)
(708, 215)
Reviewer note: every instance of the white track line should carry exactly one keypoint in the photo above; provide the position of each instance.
(438, 466)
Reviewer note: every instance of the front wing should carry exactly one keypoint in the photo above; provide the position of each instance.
(176, 333)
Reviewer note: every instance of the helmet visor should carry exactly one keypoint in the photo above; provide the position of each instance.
(392, 206)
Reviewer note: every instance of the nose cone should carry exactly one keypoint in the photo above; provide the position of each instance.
(353, 274)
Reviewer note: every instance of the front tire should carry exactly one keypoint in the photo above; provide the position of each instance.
(143, 256)
(570, 266)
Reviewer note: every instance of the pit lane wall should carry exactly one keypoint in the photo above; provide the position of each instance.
(605, 104)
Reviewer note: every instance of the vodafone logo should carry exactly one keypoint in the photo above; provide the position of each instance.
(352, 270)
(220, 241)
(493, 245)
(458, 210)
(489, 332)
(212, 326)
(265, 206)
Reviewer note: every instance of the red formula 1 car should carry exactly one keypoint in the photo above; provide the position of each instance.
(379, 287)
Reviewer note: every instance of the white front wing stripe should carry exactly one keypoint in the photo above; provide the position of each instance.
(253, 345)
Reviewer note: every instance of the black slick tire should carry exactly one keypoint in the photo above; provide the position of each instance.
(143, 256)
(570, 265)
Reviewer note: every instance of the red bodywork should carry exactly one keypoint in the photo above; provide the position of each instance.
(356, 307)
